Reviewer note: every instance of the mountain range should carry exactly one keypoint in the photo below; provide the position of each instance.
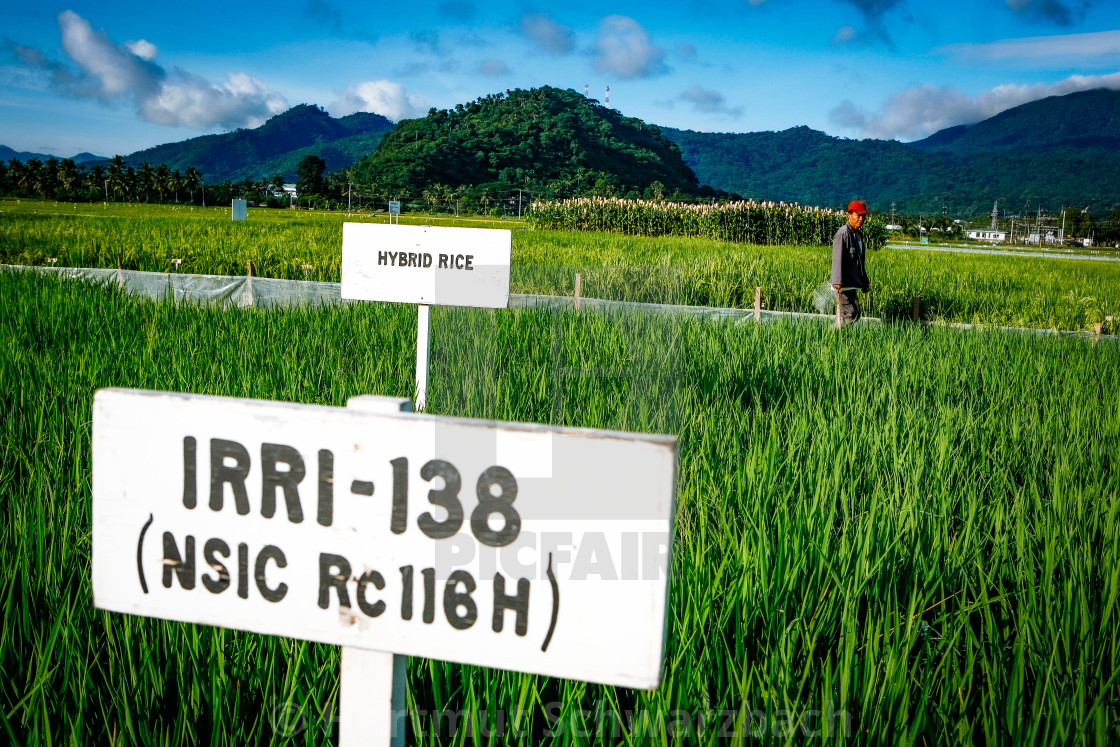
(1062, 150)
(7, 154)
(1054, 151)
(276, 147)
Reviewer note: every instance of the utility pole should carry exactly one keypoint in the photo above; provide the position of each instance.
(348, 199)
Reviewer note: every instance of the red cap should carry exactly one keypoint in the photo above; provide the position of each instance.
(856, 206)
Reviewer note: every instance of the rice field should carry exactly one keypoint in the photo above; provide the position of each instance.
(885, 535)
(994, 290)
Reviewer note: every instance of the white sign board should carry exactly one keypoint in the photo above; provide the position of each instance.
(240, 209)
(437, 265)
(394, 207)
(523, 547)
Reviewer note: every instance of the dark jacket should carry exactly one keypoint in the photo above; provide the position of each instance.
(848, 269)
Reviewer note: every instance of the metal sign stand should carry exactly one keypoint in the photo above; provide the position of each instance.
(423, 350)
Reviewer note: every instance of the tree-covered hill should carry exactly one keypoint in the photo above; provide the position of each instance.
(1084, 119)
(549, 140)
(806, 166)
(1059, 151)
(276, 147)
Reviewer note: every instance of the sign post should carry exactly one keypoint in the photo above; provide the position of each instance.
(532, 548)
(426, 265)
(371, 693)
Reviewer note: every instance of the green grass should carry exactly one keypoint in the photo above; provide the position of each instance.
(914, 526)
(996, 290)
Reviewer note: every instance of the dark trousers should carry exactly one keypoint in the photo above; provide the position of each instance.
(848, 301)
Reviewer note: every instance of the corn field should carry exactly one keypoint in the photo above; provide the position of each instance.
(749, 222)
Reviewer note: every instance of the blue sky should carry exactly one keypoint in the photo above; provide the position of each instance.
(118, 77)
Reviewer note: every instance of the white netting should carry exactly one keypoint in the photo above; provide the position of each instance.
(269, 292)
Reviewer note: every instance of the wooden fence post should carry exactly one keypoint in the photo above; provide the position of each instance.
(916, 313)
(577, 291)
(758, 303)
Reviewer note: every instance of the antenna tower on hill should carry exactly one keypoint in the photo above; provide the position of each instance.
(608, 101)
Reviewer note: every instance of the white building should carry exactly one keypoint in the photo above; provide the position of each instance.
(284, 190)
(987, 234)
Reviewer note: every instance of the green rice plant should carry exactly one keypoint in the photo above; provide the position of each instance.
(884, 534)
(306, 245)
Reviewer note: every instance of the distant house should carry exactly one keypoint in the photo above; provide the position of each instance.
(285, 190)
(987, 234)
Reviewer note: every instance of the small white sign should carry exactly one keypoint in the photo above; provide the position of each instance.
(438, 537)
(437, 265)
(394, 207)
(240, 209)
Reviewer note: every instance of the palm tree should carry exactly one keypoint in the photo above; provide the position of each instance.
(145, 180)
(174, 182)
(162, 178)
(69, 175)
(30, 179)
(191, 179)
(117, 175)
(16, 171)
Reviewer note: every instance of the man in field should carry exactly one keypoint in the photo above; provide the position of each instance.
(848, 272)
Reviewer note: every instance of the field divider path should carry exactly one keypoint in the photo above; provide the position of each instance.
(241, 291)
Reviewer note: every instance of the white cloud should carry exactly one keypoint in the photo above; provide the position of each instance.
(623, 47)
(493, 67)
(145, 50)
(844, 35)
(184, 99)
(549, 35)
(127, 73)
(921, 111)
(108, 70)
(708, 101)
(1072, 47)
(382, 97)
